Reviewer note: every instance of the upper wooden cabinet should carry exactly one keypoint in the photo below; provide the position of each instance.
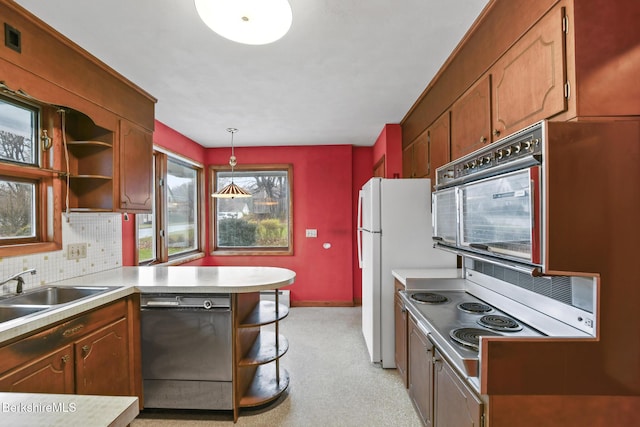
(471, 119)
(529, 80)
(429, 151)
(136, 173)
(439, 144)
(415, 158)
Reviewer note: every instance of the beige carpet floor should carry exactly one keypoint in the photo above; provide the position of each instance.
(332, 384)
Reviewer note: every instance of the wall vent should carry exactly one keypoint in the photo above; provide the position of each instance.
(12, 38)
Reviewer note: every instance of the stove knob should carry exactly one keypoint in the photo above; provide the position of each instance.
(487, 159)
(527, 145)
(517, 148)
(207, 304)
(507, 152)
(500, 154)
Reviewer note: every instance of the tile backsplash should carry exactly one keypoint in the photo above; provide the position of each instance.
(102, 233)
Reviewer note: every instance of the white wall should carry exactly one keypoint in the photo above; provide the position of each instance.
(102, 232)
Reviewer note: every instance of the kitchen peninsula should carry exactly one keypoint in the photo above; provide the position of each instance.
(254, 376)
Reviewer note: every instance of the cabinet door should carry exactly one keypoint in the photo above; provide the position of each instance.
(471, 119)
(529, 80)
(401, 338)
(421, 373)
(421, 156)
(52, 373)
(439, 145)
(136, 168)
(102, 361)
(455, 404)
(407, 162)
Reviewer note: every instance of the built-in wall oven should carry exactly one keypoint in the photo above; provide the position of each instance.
(489, 203)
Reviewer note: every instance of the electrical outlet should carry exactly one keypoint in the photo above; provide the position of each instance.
(76, 251)
(312, 232)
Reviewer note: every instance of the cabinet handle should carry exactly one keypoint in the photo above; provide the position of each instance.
(483, 139)
(72, 331)
(65, 358)
(85, 350)
(496, 132)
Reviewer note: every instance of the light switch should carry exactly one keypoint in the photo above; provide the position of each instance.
(312, 232)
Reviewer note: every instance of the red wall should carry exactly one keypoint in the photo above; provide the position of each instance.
(389, 145)
(326, 180)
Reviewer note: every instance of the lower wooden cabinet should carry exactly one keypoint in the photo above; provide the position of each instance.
(92, 353)
(100, 359)
(51, 373)
(454, 403)
(420, 372)
(401, 318)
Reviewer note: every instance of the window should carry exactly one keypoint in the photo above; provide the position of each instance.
(27, 188)
(173, 229)
(259, 225)
(19, 125)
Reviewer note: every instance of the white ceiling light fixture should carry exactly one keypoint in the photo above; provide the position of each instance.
(231, 191)
(254, 22)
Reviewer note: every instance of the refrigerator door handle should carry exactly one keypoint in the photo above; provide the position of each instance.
(359, 228)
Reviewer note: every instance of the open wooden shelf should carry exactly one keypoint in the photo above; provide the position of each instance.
(264, 313)
(266, 386)
(265, 349)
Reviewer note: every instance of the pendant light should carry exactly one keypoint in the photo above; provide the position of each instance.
(253, 22)
(231, 191)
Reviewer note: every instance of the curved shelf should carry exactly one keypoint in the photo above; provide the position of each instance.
(263, 314)
(96, 144)
(264, 349)
(102, 177)
(264, 388)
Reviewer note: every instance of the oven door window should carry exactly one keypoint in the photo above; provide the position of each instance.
(445, 218)
(498, 215)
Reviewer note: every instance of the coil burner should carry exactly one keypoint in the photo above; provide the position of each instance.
(499, 323)
(470, 337)
(429, 298)
(475, 307)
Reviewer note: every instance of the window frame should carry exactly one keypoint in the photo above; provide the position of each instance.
(161, 158)
(46, 176)
(213, 214)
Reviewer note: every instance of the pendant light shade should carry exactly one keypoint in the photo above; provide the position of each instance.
(253, 22)
(231, 191)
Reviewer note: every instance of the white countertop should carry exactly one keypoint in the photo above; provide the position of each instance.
(189, 279)
(128, 280)
(68, 410)
(417, 278)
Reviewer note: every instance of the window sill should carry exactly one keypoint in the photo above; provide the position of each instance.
(182, 259)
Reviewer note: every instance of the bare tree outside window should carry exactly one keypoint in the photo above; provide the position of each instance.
(261, 222)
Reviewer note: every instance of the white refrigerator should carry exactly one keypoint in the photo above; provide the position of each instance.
(394, 232)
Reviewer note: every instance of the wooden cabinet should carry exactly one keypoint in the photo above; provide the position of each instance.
(430, 150)
(420, 372)
(136, 168)
(258, 376)
(471, 119)
(400, 314)
(92, 353)
(529, 79)
(415, 158)
(100, 359)
(51, 373)
(454, 403)
(439, 145)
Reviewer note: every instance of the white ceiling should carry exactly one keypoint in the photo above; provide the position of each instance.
(345, 68)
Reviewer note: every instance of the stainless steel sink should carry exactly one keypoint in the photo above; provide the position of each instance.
(53, 295)
(14, 312)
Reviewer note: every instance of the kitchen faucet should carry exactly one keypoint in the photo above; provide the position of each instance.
(18, 278)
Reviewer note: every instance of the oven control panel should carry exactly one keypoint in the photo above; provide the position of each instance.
(523, 144)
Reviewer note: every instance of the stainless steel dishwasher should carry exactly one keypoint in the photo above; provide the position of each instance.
(186, 351)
